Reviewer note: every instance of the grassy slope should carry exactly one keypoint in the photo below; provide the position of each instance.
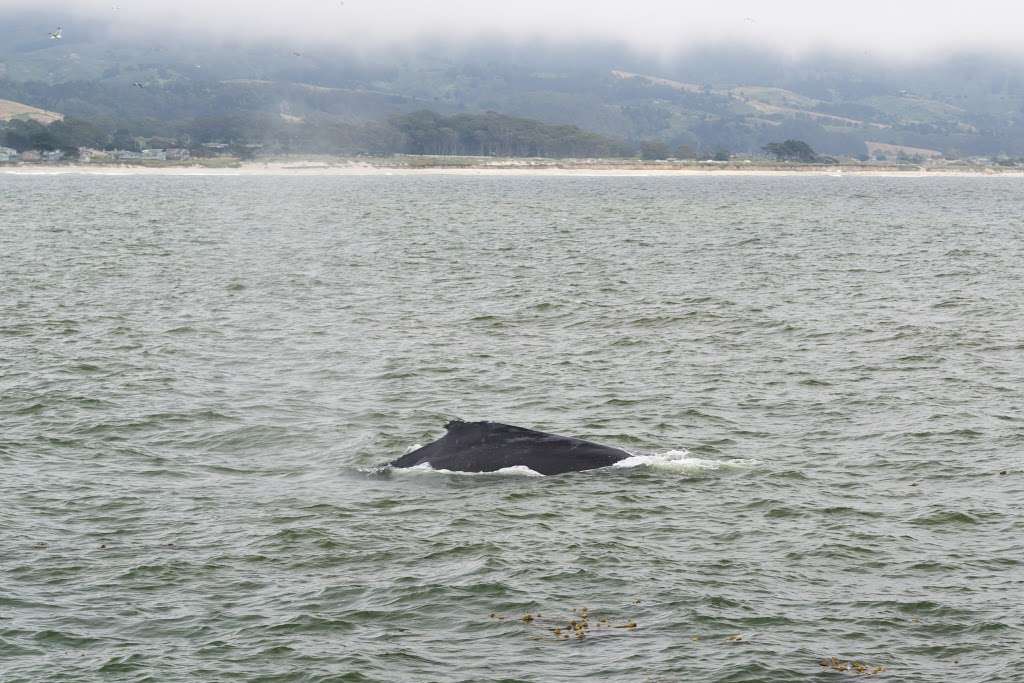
(15, 110)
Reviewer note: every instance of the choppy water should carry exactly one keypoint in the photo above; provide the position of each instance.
(822, 378)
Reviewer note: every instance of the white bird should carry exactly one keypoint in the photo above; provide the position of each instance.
(58, 34)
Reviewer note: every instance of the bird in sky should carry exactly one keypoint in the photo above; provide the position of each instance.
(137, 84)
(58, 34)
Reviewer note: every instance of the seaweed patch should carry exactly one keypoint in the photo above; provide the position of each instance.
(851, 667)
(580, 626)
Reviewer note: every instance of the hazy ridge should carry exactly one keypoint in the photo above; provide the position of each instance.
(732, 97)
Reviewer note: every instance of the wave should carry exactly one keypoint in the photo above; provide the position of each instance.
(681, 462)
(515, 471)
(674, 461)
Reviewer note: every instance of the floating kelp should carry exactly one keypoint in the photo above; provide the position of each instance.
(851, 667)
(581, 625)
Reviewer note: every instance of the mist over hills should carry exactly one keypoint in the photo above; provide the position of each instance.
(293, 97)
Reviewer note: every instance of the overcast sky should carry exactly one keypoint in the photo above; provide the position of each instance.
(898, 27)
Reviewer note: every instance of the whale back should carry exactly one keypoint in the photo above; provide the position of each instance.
(492, 446)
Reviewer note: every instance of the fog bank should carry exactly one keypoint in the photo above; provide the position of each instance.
(905, 29)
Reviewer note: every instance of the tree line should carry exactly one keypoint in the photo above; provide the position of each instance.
(422, 132)
(493, 134)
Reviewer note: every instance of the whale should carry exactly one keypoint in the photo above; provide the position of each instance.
(493, 446)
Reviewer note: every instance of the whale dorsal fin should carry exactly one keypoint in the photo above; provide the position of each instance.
(484, 428)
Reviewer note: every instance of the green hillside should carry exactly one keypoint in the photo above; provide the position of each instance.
(728, 98)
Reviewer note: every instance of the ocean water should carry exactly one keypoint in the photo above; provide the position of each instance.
(822, 381)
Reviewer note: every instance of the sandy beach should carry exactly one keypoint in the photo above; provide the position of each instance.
(315, 168)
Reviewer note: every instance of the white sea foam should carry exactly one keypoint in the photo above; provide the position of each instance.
(681, 462)
(674, 461)
(516, 471)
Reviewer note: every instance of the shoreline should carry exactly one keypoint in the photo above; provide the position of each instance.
(507, 168)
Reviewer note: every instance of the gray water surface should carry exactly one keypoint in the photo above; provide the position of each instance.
(822, 378)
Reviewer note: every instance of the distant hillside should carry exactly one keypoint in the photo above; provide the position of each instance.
(10, 111)
(734, 97)
(748, 113)
(878, 149)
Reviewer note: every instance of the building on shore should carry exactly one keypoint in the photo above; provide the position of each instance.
(178, 154)
(88, 155)
(215, 149)
(7, 155)
(154, 155)
(34, 156)
(125, 155)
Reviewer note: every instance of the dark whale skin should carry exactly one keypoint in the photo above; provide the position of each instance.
(491, 446)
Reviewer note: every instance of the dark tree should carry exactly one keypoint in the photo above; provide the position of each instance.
(123, 139)
(686, 152)
(493, 134)
(17, 135)
(654, 151)
(792, 150)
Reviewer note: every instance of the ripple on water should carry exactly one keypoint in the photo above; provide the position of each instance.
(819, 381)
